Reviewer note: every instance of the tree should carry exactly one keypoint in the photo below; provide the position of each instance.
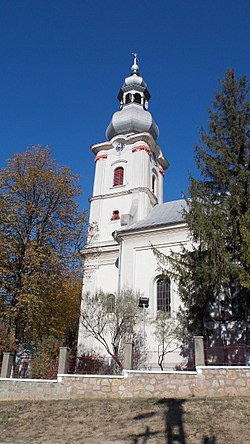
(41, 233)
(7, 340)
(111, 320)
(166, 332)
(218, 215)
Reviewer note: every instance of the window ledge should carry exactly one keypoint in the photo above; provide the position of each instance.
(118, 186)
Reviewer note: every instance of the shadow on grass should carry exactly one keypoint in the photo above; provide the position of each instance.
(207, 440)
(142, 438)
(174, 426)
(174, 432)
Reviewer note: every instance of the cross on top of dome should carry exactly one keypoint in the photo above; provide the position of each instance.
(135, 66)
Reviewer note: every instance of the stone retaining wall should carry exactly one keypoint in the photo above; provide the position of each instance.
(206, 381)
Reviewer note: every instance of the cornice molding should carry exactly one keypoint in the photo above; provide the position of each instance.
(125, 192)
(173, 226)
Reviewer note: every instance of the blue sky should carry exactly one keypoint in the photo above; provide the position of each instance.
(63, 62)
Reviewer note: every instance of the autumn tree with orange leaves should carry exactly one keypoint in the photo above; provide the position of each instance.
(41, 234)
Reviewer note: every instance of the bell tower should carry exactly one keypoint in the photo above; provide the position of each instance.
(130, 165)
(128, 210)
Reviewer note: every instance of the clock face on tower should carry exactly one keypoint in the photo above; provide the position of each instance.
(119, 147)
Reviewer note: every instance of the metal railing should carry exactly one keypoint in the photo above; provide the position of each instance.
(92, 365)
(238, 354)
(34, 369)
(156, 360)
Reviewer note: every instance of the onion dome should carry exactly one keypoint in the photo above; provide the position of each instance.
(133, 116)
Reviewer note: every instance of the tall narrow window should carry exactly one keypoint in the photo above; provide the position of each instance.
(153, 183)
(118, 176)
(163, 295)
(128, 98)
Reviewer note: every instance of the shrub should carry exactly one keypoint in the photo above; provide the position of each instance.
(89, 363)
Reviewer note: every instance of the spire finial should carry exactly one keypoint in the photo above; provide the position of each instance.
(136, 60)
(135, 67)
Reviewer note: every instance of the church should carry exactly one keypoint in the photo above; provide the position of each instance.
(129, 213)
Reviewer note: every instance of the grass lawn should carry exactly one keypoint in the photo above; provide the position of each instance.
(169, 421)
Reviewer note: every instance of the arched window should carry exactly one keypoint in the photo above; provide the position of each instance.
(163, 294)
(128, 98)
(118, 176)
(137, 98)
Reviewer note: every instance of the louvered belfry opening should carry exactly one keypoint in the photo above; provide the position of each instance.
(118, 176)
(137, 98)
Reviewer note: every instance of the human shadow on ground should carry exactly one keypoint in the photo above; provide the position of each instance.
(174, 432)
(174, 427)
(173, 418)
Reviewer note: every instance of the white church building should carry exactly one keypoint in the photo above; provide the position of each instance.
(128, 209)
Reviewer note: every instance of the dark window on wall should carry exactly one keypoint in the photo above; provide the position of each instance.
(115, 215)
(118, 176)
(163, 295)
(153, 183)
(128, 98)
(137, 98)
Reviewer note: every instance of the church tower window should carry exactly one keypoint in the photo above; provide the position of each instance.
(115, 215)
(128, 98)
(137, 98)
(163, 295)
(153, 183)
(118, 176)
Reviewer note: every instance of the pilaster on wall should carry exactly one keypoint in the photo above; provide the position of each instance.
(63, 361)
(7, 364)
(128, 355)
(199, 354)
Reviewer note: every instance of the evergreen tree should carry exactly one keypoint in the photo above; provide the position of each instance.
(218, 214)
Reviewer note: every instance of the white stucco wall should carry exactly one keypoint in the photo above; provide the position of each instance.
(138, 270)
(134, 196)
(137, 263)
